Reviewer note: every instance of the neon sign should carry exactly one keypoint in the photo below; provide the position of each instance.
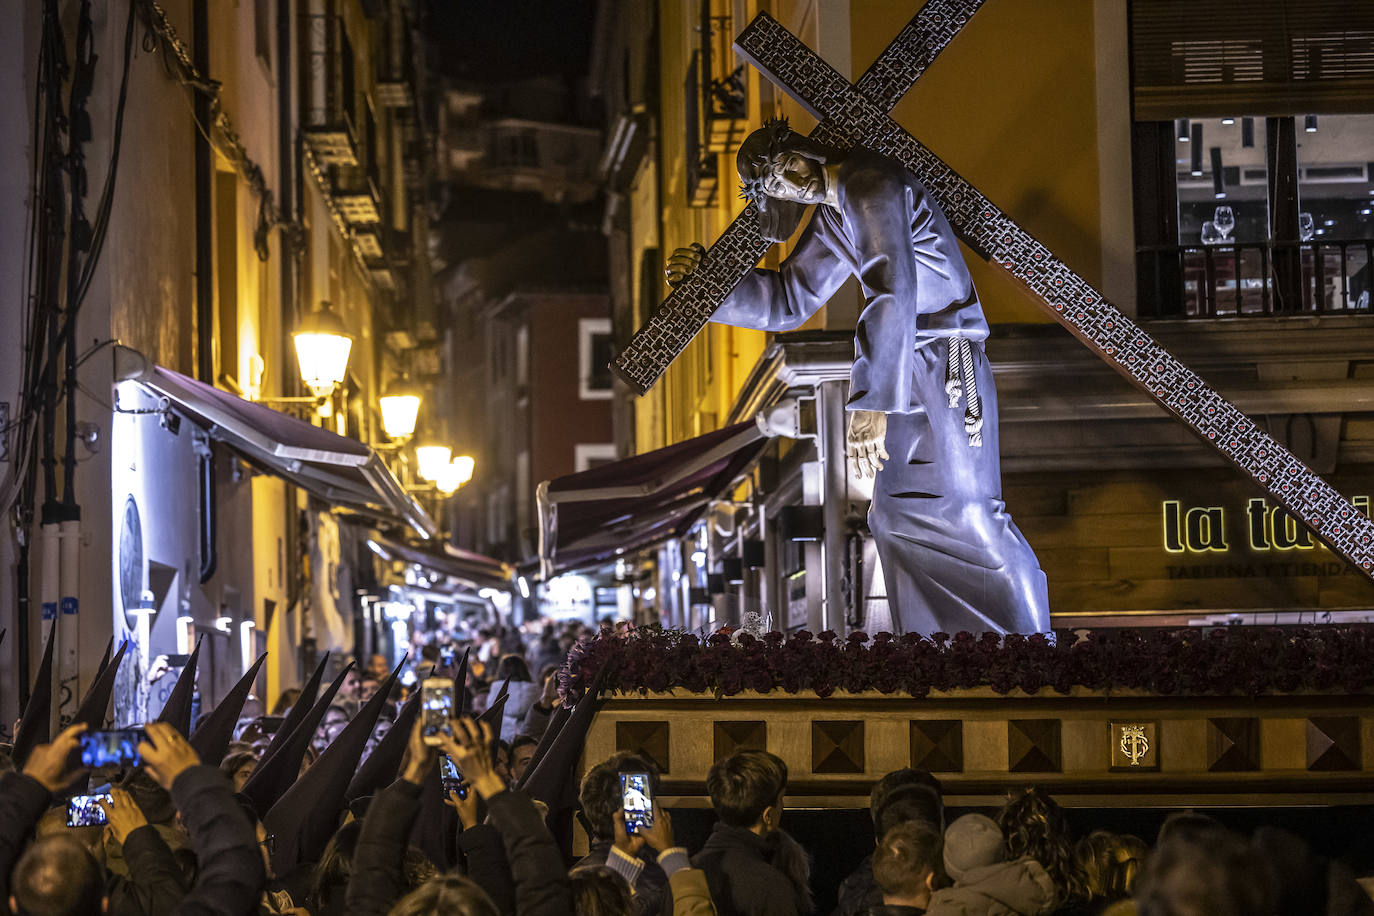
(1203, 529)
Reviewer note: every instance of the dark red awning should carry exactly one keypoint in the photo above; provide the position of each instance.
(469, 569)
(594, 516)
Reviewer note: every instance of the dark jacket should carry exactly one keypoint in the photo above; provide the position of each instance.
(231, 874)
(156, 882)
(541, 880)
(652, 896)
(859, 891)
(484, 858)
(883, 909)
(743, 880)
(22, 802)
(378, 878)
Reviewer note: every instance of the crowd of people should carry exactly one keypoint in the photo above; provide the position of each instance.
(336, 803)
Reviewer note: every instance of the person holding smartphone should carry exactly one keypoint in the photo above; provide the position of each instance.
(57, 874)
(602, 796)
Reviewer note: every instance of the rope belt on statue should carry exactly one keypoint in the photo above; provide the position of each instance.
(961, 383)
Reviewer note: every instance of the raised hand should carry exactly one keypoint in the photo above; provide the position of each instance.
(682, 262)
(470, 748)
(420, 757)
(123, 814)
(660, 835)
(626, 842)
(166, 754)
(466, 807)
(865, 440)
(47, 763)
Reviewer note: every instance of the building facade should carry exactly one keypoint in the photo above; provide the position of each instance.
(271, 156)
(1206, 172)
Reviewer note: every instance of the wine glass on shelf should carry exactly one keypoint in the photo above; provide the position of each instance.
(1307, 227)
(1225, 220)
(1210, 234)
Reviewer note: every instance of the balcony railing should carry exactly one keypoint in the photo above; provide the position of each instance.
(1243, 279)
(329, 102)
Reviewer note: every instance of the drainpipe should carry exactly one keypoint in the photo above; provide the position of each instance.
(205, 278)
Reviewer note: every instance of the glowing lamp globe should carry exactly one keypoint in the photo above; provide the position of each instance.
(400, 405)
(454, 474)
(464, 465)
(431, 461)
(322, 347)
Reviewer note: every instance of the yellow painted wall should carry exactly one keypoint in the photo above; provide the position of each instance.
(1011, 105)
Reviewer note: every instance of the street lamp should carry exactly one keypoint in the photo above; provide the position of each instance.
(400, 404)
(454, 474)
(431, 459)
(322, 347)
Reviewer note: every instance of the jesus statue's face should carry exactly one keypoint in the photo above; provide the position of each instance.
(791, 175)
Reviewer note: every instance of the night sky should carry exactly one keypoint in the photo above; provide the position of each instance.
(484, 40)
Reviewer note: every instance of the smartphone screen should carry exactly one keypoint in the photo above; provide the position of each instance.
(436, 708)
(83, 810)
(637, 798)
(117, 747)
(450, 777)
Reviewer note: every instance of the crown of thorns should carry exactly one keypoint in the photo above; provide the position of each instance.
(751, 189)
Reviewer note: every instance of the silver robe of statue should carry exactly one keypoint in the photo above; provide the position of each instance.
(952, 558)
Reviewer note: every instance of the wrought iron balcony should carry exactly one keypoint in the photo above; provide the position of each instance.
(356, 196)
(1244, 279)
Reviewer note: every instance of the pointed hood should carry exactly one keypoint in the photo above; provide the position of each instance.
(458, 672)
(33, 727)
(552, 780)
(97, 698)
(277, 772)
(381, 766)
(104, 663)
(212, 738)
(546, 740)
(176, 712)
(308, 813)
(496, 709)
(297, 713)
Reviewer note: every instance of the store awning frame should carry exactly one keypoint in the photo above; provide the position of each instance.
(340, 471)
(469, 569)
(643, 500)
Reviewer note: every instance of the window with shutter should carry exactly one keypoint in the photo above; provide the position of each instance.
(1217, 58)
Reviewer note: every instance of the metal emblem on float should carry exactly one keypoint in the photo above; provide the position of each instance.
(1135, 746)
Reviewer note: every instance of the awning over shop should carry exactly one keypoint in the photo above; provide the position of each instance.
(341, 471)
(469, 569)
(594, 516)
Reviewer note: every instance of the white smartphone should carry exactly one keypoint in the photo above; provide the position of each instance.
(436, 708)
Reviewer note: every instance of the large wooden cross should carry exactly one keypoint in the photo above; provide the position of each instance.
(858, 114)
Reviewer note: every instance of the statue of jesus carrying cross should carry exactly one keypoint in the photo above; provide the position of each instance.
(922, 405)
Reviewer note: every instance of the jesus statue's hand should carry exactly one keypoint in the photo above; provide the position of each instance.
(865, 440)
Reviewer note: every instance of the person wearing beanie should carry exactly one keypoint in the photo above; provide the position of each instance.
(985, 882)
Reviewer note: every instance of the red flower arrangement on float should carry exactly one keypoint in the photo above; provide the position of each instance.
(1187, 661)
